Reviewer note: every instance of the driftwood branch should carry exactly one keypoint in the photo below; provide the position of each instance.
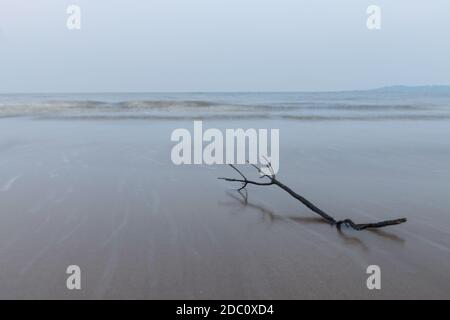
(272, 180)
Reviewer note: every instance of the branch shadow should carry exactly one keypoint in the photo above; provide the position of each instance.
(267, 214)
(387, 235)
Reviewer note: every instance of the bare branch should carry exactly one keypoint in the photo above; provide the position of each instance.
(307, 203)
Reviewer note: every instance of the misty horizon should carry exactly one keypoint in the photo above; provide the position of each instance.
(387, 87)
(204, 46)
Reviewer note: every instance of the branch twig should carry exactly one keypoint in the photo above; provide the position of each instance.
(272, 180)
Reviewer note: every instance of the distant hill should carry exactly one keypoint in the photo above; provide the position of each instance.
(421, 89)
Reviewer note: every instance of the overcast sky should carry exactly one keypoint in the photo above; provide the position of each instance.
(221, 45)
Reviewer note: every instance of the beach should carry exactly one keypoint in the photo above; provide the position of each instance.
(96, 188)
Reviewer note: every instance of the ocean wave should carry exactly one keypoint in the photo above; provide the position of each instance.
(188, 109)
(54, 106)
(165, 104)
(249, 116)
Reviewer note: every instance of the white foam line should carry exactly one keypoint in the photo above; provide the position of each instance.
(10, 183)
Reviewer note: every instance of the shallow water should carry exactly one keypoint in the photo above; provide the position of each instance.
(104, 195)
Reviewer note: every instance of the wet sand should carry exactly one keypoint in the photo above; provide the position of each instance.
(104, 195)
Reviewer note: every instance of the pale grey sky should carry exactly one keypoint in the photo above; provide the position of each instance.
(221, 45)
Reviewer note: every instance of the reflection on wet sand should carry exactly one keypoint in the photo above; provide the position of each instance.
(241, 201)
